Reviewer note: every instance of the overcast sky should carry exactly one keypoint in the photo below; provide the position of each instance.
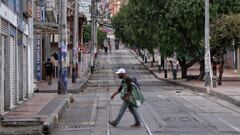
(84, 7)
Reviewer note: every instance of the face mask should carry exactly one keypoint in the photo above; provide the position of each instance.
(120, 76)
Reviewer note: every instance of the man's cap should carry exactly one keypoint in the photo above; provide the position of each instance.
(121, 70)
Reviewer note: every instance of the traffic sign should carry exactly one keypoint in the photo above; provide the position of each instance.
(81, 48)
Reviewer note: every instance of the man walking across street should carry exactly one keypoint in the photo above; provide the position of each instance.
(49, 70)
(125, 86)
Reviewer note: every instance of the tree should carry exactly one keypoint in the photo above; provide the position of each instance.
(225, 35)
(176, 25)
(87, 34)
(101, 36)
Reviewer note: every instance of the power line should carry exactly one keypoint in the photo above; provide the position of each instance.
(84, 7)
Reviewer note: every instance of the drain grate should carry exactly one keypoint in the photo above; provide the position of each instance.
(80, 126)
(78, 115)
(72, 132)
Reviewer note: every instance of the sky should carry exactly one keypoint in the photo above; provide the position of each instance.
(84, 7)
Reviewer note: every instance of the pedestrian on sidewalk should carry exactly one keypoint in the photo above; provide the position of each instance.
(49, 70)
(214, 66)
(125, 84)
(110, 47)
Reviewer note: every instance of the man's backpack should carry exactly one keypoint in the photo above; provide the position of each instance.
(134, 80)
(137, 98)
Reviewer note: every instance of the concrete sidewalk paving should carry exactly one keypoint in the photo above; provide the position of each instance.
(30, 116)
(229, 91)
(42, 111)
(43, 86)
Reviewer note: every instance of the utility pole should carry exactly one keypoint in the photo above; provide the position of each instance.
(208, 69)
(62, 48)
(93, 32)
(75, 44)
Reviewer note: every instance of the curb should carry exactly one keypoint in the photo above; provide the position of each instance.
(21, 122)
(85, 83)
(194, 88)
(93, 113)
(51, 122)
(224, 97)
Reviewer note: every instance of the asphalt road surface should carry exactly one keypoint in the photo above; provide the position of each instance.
(167, 110)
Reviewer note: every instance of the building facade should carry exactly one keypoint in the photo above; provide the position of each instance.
(16, 52)
(115, 5)
(46, 35)
(232, 60)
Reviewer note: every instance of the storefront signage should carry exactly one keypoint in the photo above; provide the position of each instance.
(8, 14)
(38, 57)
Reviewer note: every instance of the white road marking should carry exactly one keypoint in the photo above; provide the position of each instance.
(161, 96)
(145, 125)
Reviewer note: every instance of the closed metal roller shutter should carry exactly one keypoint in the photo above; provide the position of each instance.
(9, 70)
(12, 71)
(20, 66)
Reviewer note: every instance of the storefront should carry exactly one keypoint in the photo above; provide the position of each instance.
(9, 70)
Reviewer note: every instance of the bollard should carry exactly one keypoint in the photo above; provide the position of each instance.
(159, 68)
(165, 73)
(214, 81)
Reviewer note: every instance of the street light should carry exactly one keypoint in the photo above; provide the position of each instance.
(208, 69)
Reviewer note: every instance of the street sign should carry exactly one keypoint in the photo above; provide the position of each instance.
(81, 48)
(86, 51)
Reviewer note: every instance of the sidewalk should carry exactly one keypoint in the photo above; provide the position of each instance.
(43, 86)
(30, 116)
(42, 111)
(229, 91)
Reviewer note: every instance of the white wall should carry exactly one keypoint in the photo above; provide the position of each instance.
(30, 58)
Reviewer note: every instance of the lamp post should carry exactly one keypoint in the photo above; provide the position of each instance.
(208, 69)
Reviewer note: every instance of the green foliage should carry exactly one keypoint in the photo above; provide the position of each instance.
(225, 31)
(171, 25)
(101, 36)
(87, 34)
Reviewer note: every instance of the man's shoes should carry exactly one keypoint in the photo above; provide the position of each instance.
(112, 123)
(136, 125)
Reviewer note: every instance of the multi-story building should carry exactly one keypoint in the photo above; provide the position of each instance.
(46, 36)
(16, 52)
(115, 5)
(232, 60)
(124, 2)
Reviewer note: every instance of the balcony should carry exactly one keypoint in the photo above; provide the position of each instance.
(51, 11)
